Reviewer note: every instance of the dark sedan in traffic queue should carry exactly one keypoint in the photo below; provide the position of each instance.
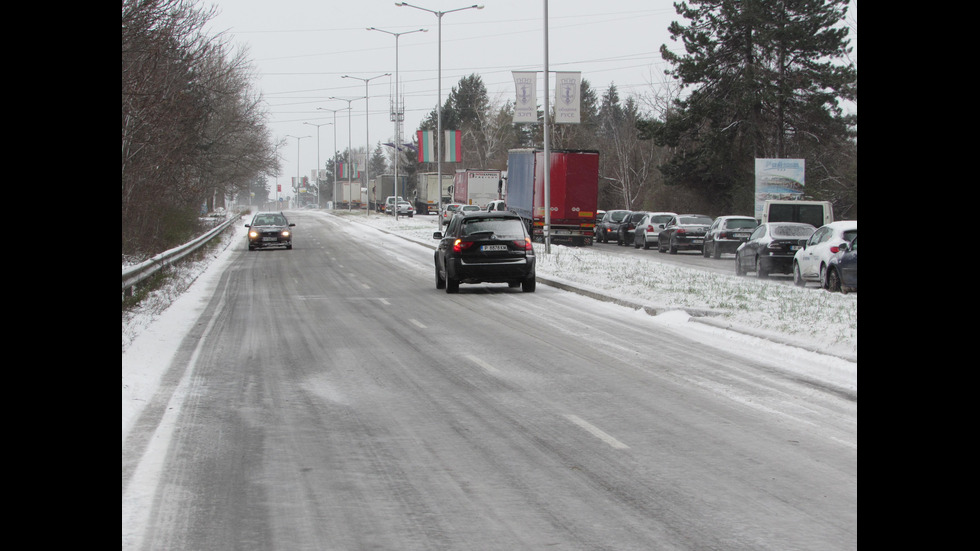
(627, 229)
(608, 227)
(771, 247)
(684, 232)
(484, 247)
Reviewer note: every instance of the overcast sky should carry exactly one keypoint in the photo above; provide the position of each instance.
(301, 48)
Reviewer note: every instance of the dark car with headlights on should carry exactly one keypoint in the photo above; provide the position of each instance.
(269, 229)
(726, 234)
(609, 225)
(771, 247)
(683, 232)
(484, 247)
(842, 270)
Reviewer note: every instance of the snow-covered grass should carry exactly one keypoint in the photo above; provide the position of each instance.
(818, 319)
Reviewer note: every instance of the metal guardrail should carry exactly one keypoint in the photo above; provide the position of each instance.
(135, 274)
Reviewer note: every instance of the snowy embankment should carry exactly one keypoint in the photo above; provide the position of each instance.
(807, 317)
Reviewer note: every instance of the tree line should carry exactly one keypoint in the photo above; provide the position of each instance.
(757, 78)
(192, 128)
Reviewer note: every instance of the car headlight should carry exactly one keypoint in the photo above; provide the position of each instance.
(285, 233)
(253, 233)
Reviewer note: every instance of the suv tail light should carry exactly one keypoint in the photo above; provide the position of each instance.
(459, 245)
(526, 244)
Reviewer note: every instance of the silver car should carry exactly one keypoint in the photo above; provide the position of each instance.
(647, 230)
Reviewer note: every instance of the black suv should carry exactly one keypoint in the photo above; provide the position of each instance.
(269, 229)
(484, 247)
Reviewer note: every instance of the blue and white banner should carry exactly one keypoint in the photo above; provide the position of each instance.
(526, 104)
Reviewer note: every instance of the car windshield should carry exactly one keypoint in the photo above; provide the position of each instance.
(501, 228)
(694, 220)
(637, 216)
(850, 234)
(660, 219)
(270, 220)
(617, 216)
(470, 207)
(780, 230)
(741, 223)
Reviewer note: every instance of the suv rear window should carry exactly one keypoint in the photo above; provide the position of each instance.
(503, 228)
(740, 223)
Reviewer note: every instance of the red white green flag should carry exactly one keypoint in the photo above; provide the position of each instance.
(452, 146)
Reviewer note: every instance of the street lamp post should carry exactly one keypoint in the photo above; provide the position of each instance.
(398, 114)
(367, 126)
(439, 135)
(318, 158)
(348, 145)
(334, 154)
(298, 138)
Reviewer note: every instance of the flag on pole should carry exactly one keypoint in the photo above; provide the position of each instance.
(427, 146)
(348, 170)
(453, 146)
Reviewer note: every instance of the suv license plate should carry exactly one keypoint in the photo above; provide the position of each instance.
(493, 248)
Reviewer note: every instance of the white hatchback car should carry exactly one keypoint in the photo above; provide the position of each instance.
(810, 263)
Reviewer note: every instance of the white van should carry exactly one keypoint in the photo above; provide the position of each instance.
(815, 213)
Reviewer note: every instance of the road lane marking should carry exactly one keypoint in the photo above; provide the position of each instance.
(490, 369)
(595, 431)
(418, 324)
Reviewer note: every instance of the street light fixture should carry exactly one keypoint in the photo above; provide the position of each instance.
(439, 135)
(298, 138)
(318, 159)
(367, 149)
(398, 114)
(348, 100)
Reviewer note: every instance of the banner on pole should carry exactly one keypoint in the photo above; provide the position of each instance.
(526, 104)
(567, 87)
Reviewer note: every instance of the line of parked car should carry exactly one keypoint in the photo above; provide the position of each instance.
(826, 255)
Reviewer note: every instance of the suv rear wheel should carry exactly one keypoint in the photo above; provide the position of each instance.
(529, 284)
